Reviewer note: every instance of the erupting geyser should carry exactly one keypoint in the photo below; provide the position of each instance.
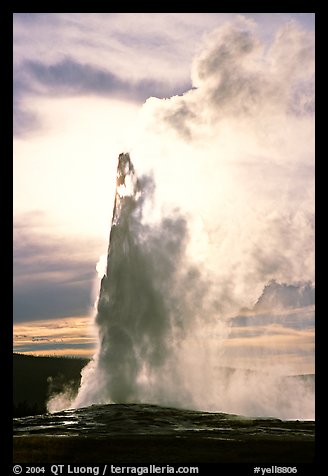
(162, 332)
(134, 321)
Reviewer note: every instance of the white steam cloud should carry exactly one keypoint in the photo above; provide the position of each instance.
(223, 287)
(236, 153)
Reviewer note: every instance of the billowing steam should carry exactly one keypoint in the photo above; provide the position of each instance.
(143, 316)
(211, 306)
(155, 318)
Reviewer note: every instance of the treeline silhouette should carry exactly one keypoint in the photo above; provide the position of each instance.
(36, 378)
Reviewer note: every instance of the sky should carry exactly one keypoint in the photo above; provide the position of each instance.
(219, 109)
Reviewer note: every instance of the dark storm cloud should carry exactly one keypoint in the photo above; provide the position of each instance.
(50, 279)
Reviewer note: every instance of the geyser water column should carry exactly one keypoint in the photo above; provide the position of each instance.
(130, 310)
(116, 303)
(133, 318)
(162, 333)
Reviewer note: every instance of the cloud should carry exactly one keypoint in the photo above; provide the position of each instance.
(24, 119)
(58, 348)
(292, 320)
(69, 78)
(55, 335)
(236, 152)
(282, 311)
(93, 55)
(42, 300)
(278, 295)
(158, 41)
(236, 76)
(96, 54)
(52, 277)
(278, 331)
